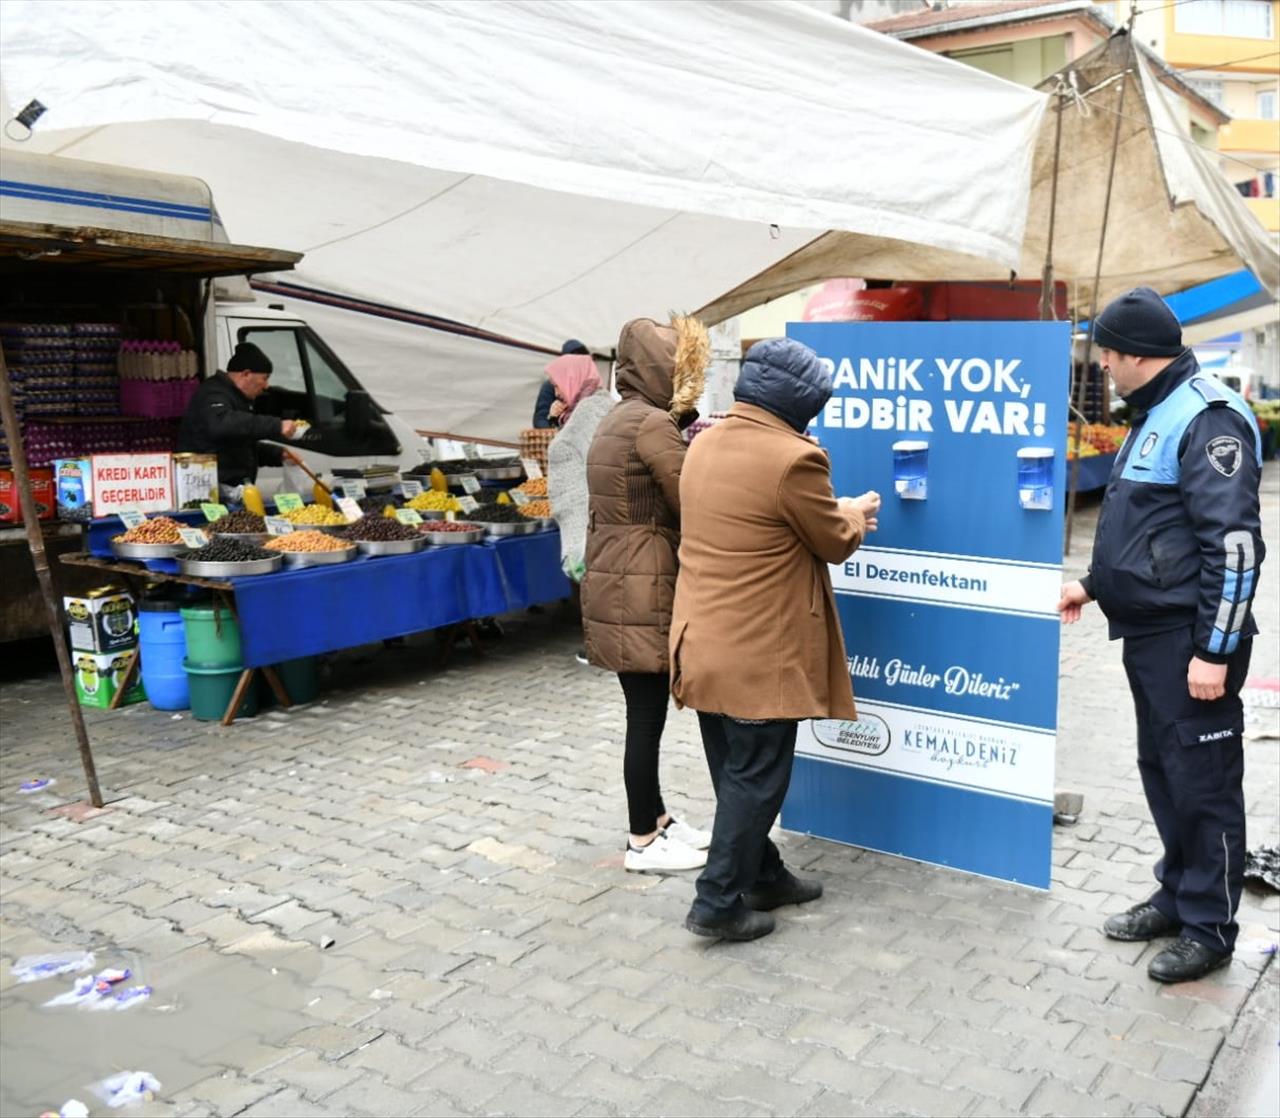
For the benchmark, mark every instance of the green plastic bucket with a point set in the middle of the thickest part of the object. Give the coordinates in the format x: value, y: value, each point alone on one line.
x: 301, y: 678
x: 212, y: 688
x: 212, y: 637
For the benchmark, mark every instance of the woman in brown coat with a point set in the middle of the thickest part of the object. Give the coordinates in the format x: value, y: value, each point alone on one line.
x: 756, y: 642
x: 633, y: 533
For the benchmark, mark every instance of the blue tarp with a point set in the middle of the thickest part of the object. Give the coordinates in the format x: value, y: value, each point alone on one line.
x: 321, y: 609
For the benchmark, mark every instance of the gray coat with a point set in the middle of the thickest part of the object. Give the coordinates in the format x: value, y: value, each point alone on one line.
x: 567, y: 477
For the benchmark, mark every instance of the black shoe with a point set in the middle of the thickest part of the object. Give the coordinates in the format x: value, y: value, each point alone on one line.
x: 788, y: 889
x: 740, y: 926
x: 1142, y: 921
x: 1185, y: 960
x: 581, y: 656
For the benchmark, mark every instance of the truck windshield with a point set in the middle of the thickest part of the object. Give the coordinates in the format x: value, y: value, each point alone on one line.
x: 297, y: 360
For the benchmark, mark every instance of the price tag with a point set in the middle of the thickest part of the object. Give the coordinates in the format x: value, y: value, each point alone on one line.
x: 287, y: 502
x: 193, y: 537
x: 408, y: 516
x: 353, y: 488
x: 131, y: 518
x: 410, y: 489
x: 467, y: 503
x: 349, y: 509
x: 469, y: 450
x: 450, y: 515
x: 532, y: 467
x: 278, y: 526
x: 213, y: 511
x: 469, y: 482
x: 519, y: 498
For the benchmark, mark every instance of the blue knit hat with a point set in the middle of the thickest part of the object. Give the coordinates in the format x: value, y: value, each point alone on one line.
x: 1141, y: 324
x: 572, y: 345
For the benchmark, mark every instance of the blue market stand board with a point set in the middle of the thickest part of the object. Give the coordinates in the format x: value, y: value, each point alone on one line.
x: 948, y: 610
x: 367, y: 600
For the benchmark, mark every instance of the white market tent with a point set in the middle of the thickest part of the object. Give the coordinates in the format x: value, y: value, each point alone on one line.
x: 1175, y: 220
x: 534, y: 168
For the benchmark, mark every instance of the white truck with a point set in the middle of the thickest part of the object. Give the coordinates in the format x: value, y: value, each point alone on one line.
x: 310, y: 382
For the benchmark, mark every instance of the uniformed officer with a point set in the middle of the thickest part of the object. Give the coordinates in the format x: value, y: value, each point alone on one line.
x: 1174, y: 569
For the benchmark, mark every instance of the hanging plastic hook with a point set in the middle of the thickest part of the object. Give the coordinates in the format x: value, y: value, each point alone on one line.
x: 33, y: 111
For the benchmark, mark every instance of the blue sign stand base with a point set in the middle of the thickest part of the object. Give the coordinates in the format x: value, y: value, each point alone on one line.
x: 961, y: 828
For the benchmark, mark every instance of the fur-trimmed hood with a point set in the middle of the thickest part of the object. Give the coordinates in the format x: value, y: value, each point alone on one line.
x: 666, y: 365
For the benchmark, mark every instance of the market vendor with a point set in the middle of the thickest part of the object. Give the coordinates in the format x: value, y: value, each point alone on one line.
x: 220, y: 420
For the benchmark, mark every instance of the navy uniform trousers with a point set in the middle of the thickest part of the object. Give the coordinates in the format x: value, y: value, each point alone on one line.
x: 1191, y: 760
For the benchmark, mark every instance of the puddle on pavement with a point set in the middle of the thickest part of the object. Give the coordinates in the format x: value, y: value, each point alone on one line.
x: 207, y: 1011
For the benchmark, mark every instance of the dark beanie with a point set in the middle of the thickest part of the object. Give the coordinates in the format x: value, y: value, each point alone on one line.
x: 248, y: 358
x: 1141, y: 324
x: 573, y: 346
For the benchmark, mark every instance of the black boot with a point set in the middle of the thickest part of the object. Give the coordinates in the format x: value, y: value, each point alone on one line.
x: 1185, y: 960
x: 739, y: 926
x: 1142, y: 921
x: 788, y: 889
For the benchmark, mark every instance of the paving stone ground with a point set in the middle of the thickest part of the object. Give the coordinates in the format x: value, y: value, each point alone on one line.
x: 487, y: 954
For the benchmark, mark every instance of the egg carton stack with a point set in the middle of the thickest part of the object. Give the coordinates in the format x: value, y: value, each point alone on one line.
x: 97, y: 349
x: 42, y: 372
x: 157, y: 379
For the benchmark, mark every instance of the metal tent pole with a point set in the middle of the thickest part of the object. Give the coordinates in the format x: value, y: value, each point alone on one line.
x: 1073, y: 490
x: 35, y: 541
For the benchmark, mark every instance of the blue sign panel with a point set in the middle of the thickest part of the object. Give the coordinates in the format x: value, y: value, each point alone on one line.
x: 948, y: 610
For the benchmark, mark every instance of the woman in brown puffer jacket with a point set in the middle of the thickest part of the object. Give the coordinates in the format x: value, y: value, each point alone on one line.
x: 633, y: 534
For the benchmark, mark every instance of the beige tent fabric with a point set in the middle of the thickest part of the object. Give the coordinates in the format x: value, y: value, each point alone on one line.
x: 1175, y: 220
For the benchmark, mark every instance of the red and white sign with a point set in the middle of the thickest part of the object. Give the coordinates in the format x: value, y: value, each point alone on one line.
x: 132, y: 481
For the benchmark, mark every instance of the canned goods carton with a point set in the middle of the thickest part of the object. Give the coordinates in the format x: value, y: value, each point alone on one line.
x: 100, y: 675
x: 104, y: 620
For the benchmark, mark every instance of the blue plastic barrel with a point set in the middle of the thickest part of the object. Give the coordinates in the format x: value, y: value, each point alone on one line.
x: 163, y: 649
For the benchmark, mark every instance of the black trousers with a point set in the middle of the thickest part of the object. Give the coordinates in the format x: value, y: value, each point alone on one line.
x: 1191, y: 760
x: 750, y: 767
x: 647, y: 695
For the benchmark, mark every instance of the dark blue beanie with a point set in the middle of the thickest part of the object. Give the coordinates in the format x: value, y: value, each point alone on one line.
x: 572, y: 345
x: 1141, y: 324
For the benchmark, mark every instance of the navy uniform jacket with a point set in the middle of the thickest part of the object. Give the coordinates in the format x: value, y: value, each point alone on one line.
x: 220, y: 420
x: 1179, y: 540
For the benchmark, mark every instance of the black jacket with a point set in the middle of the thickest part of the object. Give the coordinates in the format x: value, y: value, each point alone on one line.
x: 220, y: 420
x: 1179, y: 541
x: 542, y: 407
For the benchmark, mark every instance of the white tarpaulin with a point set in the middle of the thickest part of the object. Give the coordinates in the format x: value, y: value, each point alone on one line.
x: 539, y: 169
x: 1175, y: 220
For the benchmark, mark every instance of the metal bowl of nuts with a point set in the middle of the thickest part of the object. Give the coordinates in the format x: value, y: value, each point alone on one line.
x: 123, y: 550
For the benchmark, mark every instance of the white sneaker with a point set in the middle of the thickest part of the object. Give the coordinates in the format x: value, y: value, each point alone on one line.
x: 663, y: 855
x: 679, y: 830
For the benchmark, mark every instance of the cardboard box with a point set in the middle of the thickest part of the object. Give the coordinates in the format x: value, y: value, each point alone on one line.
x: 104, y: 620
x: 98, y: 678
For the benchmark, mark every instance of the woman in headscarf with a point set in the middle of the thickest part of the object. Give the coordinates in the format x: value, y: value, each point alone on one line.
x: 581, y: 402
x: 633, y: 533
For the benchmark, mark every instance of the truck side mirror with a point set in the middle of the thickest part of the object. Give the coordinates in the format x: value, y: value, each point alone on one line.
x: 359, y: 414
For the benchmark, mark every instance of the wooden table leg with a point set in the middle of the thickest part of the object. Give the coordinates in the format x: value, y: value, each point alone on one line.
x: 277, y: 687
x: 237, y: 697
x: 132, y: 669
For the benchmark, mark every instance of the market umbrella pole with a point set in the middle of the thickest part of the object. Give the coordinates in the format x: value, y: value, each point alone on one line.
x: 35, y: 541
x: 1082, y: 383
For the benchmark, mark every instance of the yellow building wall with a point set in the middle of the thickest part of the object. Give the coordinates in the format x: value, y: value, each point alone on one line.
x: 1267, y: 211
x: 1243, y: 134
x: 1188, y: 52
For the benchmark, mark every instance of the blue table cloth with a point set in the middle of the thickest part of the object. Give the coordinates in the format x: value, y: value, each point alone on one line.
x: 1094, y: 472
x: 321, y: 609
